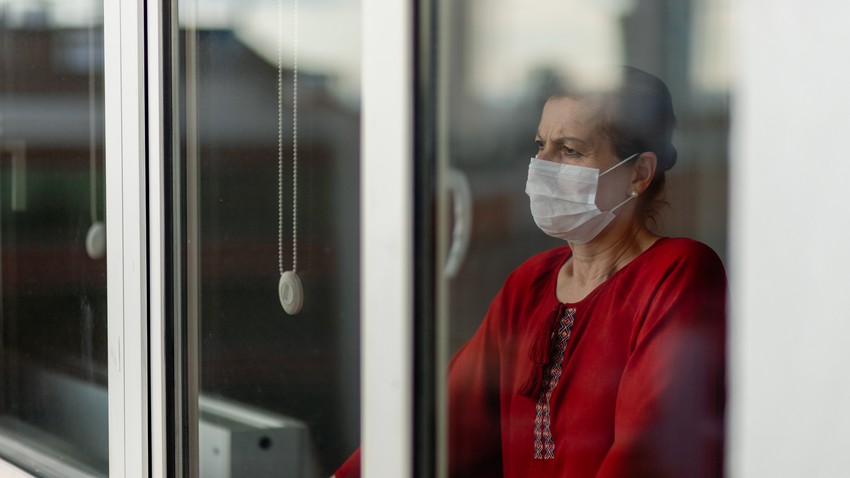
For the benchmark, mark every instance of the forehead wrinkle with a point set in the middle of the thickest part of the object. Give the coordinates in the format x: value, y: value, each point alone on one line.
x: 567, y: 123
x: 567, y: 119
x: 564, y: 133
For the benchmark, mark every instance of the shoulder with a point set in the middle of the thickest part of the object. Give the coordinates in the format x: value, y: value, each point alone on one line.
x: 687, y: 260
x: 678, y: 282
x: 684, y: 251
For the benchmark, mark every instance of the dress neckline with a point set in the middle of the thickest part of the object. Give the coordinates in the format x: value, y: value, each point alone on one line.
x: 553, y: 287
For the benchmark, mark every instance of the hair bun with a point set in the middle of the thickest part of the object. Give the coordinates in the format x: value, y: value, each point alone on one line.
x: 667, y: 157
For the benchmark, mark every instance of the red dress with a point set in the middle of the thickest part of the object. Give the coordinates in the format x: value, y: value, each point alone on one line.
x: 629, y: 382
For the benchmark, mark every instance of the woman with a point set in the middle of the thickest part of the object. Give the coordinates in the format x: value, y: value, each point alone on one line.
x: 605, y: 357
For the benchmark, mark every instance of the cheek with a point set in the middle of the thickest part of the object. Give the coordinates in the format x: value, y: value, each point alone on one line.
x: 613, y: 189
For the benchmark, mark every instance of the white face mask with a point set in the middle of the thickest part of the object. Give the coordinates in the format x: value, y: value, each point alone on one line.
x: 563, y: 200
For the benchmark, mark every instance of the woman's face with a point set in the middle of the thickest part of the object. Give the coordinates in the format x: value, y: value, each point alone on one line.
x: 569, y: 133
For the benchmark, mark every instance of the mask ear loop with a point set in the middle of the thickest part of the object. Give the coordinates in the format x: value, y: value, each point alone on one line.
x: 618, y: 164
x: 632, y: 194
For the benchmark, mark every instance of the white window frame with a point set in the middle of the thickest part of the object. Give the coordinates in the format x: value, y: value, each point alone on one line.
x: 135, y: 237
x: 155, y: 99
x: 126, y: 219
x: 788, y: 242
x: 386, y: 251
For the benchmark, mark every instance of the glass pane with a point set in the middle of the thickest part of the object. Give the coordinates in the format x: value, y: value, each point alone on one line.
x: 503, y: 60
x: 279, y: 391
x: 53, y: 299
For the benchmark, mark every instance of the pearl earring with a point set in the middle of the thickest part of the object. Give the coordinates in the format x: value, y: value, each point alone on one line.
x: 633, y: 194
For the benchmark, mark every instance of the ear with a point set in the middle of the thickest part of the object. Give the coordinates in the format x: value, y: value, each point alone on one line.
x: 643, y: 171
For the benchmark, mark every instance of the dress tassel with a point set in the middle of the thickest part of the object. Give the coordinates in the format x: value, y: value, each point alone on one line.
x: 540, y: 354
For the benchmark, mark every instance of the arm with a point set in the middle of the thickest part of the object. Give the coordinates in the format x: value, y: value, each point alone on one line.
x: 670, y: 404
x: 475, y: 448
x: 351, y: 467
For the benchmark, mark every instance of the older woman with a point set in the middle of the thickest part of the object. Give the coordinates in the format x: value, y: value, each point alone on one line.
x: 604, y: 357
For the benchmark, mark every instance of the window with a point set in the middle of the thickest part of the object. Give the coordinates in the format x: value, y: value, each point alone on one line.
x: 267, y: 182
x: 174, y: 124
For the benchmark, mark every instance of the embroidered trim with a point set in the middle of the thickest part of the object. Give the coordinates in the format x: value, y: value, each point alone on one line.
x: 544, y: 446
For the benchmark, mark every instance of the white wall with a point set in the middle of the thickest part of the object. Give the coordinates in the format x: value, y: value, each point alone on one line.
x: 790, y: 234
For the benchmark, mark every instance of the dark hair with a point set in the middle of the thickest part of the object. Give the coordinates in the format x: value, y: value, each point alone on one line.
x: 636, y: 116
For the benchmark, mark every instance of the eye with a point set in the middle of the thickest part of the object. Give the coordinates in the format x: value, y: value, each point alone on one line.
x: 540, y: 144
x: 567, y: 151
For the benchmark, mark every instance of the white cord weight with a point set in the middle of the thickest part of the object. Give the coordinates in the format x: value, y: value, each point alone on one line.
x: 96, y: 235
x: 96, y: 240
x: 291, y: 293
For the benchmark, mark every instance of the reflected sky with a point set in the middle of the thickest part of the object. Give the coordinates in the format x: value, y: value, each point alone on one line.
x: 65, y: 13
x: 579, y: 39
x: 504, y: 41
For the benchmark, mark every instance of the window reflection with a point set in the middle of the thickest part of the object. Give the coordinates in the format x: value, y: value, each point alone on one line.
x: 53, y: 300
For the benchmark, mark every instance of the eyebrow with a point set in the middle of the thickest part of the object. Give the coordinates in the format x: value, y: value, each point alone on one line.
x: 564, y: 139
